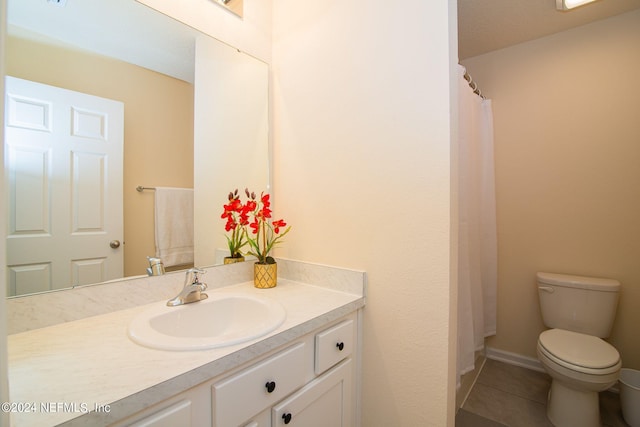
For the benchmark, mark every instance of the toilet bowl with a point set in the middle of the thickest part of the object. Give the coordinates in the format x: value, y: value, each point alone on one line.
x: 581, y: 364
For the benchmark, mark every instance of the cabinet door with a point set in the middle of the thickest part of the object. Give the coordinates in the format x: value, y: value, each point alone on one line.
x: 263, y: 419
x: 326, y: 401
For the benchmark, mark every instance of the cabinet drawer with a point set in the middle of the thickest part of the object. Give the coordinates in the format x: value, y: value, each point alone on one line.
x: 245, y: 394
x: 176, y: 414
x: 333, y: 345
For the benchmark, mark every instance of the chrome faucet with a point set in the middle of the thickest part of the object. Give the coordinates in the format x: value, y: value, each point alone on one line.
x: 156, y: 267
x: 192, y: 291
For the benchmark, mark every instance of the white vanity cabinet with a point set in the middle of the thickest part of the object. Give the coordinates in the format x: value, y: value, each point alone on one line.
x: 306, y: 383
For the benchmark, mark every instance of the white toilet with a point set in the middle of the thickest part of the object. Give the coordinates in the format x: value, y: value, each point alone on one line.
x: 581, y: 311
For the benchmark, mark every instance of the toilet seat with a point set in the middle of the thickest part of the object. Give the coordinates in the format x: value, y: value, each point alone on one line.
x: 579, y: 352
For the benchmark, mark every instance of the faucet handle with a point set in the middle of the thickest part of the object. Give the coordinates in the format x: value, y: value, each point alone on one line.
x: 192, y: 276
x: 193, y: 273
x: 197, y: 271
x: 196, y: 281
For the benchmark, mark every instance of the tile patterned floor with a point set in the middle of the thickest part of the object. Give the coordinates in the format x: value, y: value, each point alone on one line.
x: 509, y: 396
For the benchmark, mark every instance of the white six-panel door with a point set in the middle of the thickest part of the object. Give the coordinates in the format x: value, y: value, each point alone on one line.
x: 63, y: 154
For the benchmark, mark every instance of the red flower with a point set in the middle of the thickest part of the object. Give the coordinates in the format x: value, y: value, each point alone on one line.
x: 244, y: 218
x: 230, y: 225
x: 250, y: 206
x: 227, y: 212
x: 256, y: 214
x: 236, y: 215
x: 277, y: 224
x: 264, y: 213
x: 255, y: 225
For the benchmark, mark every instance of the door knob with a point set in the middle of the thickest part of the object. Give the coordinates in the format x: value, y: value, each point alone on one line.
x: 115, y: 244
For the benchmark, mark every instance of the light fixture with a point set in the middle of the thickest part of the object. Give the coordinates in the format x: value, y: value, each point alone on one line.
x: 570, y: 4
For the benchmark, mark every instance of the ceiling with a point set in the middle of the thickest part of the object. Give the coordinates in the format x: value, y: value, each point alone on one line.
x: 487, y: 25
x: 483, y: 26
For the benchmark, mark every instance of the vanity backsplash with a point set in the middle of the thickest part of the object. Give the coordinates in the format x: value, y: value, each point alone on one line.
x: 51, y: 308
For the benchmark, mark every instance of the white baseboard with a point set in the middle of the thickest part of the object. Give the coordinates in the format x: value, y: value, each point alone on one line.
x: 468, y: 380
x: 513, y: 359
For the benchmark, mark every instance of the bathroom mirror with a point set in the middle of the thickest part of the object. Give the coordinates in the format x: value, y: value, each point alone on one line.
x: 125, y: 51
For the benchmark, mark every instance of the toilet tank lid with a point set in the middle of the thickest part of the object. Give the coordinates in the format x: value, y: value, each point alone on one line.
x: 570, y: 281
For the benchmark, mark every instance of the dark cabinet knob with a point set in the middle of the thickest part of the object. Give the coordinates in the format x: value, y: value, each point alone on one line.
x: 271, y: 385
x: 287, y: 418
x: 340, y: 346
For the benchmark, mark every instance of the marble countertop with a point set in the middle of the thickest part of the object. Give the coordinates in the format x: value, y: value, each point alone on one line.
x: 60, y: 374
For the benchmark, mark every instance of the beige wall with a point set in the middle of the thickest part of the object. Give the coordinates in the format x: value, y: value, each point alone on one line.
x: 567, y: 149
x: 158, y: 147
x: 361, y: 154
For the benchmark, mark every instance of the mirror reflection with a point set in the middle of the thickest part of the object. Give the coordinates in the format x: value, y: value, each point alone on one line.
x: 125, y: 52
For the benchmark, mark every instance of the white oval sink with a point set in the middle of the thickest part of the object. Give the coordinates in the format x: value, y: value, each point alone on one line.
x: 220, y: 320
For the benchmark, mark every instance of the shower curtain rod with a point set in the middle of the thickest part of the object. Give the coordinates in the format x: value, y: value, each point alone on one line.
x: 473, y: 85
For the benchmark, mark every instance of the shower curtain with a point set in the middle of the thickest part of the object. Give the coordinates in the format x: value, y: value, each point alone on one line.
x: 477, y: 241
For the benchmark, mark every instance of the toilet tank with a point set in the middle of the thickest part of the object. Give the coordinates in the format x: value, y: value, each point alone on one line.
x: 576, y: 303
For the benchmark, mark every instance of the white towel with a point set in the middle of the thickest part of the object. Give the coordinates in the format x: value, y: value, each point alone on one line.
x: 174, y: 225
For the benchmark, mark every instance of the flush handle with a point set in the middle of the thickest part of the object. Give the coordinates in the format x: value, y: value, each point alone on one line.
x: 546, y: 289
